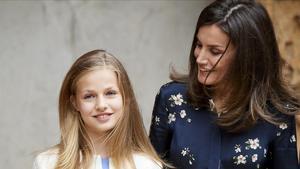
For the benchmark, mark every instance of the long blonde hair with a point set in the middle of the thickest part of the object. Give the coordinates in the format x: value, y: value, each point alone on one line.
x: 75, y: 149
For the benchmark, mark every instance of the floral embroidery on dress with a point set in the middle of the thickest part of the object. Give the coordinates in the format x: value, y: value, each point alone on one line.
x: 254, y: 157
x: 156, y: 120
x: 240, y: 159
x: 176, y: 100
x: 265, y: 152
x: 187, y: 153
x: 252, y: 144
x: 237, y: 148
x: 182, y: 114
x: 293, y: 138
x: 243, y: 152
x: 189, y: 120
x: 283, y: 126
x: 171, y: 117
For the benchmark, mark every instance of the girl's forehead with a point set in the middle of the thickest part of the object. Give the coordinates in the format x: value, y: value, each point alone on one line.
x: 98, y: 78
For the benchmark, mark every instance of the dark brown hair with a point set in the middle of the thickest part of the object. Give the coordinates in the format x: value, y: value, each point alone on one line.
x: 257, y: 89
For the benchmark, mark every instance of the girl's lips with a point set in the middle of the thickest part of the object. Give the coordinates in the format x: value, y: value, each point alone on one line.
x: 103, y: 117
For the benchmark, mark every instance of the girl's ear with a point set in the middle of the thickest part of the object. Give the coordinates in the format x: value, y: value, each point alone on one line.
x: 73, y: 101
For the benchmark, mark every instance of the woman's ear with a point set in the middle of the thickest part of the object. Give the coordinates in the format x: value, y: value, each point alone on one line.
x: 73, y: 102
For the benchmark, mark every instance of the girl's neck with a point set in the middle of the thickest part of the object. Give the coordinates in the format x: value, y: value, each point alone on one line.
x: 100, y: 149
x: 98, y: 142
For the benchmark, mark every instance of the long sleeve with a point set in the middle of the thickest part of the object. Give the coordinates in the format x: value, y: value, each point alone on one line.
x: 284, y: 151
x: 160, y: 131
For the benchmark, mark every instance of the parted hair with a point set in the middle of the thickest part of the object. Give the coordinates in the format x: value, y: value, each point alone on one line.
x: 75, y: 150
x: 256, y: 84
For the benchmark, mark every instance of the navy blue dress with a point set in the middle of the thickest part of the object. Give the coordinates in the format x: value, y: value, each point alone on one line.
x: 189, y: 138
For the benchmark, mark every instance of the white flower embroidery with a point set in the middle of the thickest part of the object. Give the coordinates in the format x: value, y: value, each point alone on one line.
x: 237, y: 148
x: 293, y: 139
x: 186, y: 152
x: 182, y: 113
x: 157, y: 120
x: 257, y: 166
x: 191, y: 159
x: 189, y: 120
x: 176, y: 99
x: 253, y: 144
x: 278, y: 133
x: 265, y: 152
x: 283, y: 126
x: 240, y: 159
x: 171, y: 117
x: 254, y: 157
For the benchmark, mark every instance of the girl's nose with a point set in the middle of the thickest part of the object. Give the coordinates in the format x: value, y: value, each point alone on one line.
x: 101, y: 104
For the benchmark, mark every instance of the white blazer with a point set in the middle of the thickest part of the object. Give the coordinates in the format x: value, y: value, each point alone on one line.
x: 48, y: 159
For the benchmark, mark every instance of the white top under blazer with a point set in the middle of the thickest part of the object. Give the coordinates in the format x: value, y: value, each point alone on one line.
x: 48, y: 159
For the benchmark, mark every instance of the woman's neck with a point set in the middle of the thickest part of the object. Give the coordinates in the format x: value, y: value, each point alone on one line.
x: 218, y: 103
x: 219, y: 97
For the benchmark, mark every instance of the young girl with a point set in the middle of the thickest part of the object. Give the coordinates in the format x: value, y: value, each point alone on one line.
x: 100, y: 122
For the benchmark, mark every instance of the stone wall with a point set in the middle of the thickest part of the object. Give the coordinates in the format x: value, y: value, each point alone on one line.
x: 286, y: 18
x: 40, y: 39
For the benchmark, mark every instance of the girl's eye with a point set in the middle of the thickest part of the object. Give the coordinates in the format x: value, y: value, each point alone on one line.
x: 89, y: 96
x: 111, y: 92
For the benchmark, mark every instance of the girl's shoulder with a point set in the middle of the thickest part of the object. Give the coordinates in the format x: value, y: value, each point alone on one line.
x: 46, y: 159
x: 144, y: 161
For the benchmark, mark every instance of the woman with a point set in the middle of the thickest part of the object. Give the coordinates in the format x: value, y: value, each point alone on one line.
x: 100, y: 122
x: 233, y: 110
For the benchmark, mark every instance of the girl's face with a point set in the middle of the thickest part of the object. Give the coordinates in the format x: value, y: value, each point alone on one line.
x: 211, y: 44
x: 99, y: 101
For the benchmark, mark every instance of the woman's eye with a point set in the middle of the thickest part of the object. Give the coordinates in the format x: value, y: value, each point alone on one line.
x: 198, y: 45
x: 216, y: 52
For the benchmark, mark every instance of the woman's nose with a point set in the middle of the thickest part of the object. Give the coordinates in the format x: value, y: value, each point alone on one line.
x: 201, y: 57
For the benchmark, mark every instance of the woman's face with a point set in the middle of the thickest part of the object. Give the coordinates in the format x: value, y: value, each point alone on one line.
x: 99, y: 101
x: 211, y: 44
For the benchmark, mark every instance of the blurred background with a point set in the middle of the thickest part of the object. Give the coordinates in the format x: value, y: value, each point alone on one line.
x: 40, y: 39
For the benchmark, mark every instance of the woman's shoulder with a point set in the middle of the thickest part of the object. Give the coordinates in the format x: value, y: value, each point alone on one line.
x: 174, y: 85
x: 46, y: 159
x: 173, y: 88
x: 144, y: 161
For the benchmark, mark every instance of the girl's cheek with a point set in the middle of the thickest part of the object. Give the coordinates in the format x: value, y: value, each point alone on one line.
x: 86, y: 108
